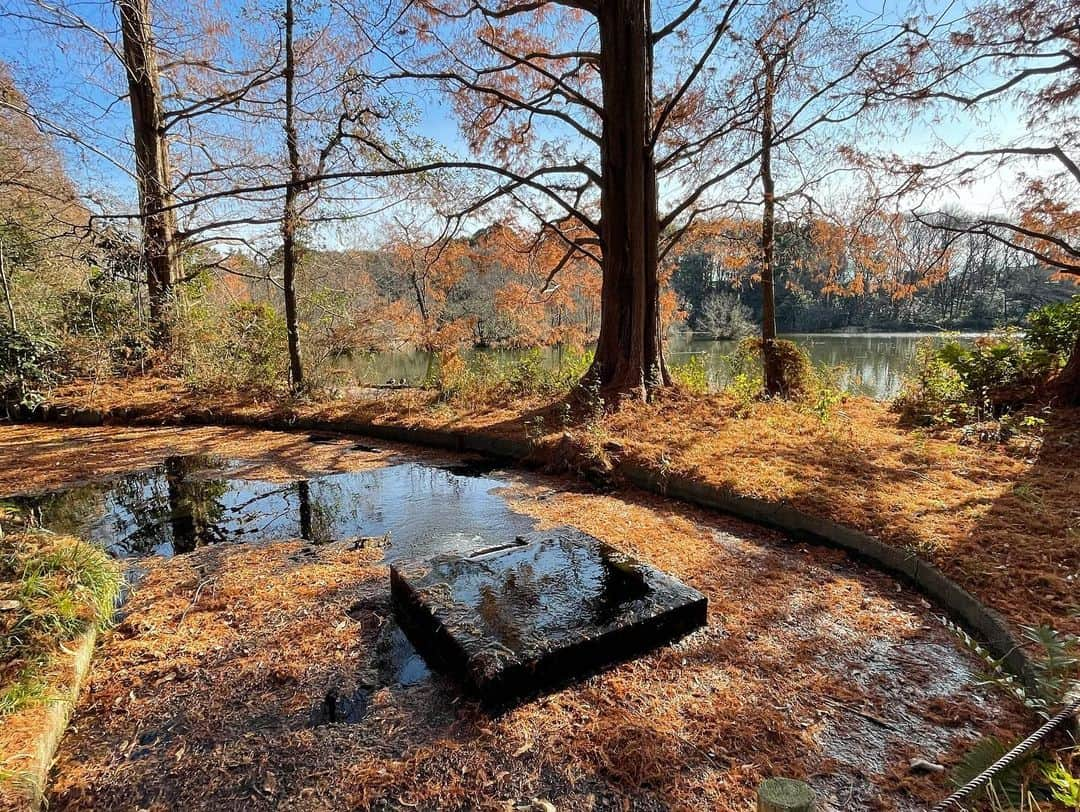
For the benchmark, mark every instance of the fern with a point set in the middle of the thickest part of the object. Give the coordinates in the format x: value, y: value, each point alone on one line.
x: 1008, y: 785
x: 1064, y: 786
x: 1055, y: 666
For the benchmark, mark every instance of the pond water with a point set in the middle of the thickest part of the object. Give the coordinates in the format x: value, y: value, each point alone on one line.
x: 872, y: 363
x: 193, y: 501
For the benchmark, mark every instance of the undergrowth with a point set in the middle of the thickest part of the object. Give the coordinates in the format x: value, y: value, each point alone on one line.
x: 814, y: 388
x: 52, y: 589
x: 1048, y: 775
x: 487, y: 378
x: 952, y: 382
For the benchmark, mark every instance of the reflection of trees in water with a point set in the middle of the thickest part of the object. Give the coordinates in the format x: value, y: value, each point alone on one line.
x: 172, y: 504
x: 169, y: 505
x: 565, y: 585
x: 177, y: 504
x: 319, y: 510
x: 70, y: 511
x: 194, y: 505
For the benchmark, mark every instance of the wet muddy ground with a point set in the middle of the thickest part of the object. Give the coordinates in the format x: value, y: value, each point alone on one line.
x: 251, y: 672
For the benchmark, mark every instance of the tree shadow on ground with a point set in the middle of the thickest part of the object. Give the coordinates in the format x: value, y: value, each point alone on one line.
x: 206, y: 703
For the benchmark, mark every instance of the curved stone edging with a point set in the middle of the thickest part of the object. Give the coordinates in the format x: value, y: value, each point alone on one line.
x: 32, y: 783
x: 986, y: 624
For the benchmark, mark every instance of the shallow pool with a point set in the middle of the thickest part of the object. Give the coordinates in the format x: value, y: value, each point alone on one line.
x: 188, y: 502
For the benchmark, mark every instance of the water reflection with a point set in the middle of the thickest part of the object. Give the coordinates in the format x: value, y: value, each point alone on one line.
x: 191, y: 501
x: 559, y: 586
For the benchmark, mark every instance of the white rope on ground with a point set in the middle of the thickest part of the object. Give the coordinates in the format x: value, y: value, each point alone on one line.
x: 955, y: 801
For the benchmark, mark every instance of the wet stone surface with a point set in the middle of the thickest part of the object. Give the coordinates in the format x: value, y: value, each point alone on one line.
x: 538, y: 612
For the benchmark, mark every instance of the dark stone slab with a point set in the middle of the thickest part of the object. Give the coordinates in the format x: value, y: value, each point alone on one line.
x: 539, y: 612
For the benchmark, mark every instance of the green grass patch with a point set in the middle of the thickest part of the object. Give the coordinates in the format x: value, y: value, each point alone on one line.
x: 52, y: 590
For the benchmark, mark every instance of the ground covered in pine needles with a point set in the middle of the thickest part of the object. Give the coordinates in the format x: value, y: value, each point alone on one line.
x: 1001, y: 519
x: 212, y: 690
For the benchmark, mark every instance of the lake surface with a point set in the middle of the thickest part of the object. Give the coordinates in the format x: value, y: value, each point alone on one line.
x: 873, y: 364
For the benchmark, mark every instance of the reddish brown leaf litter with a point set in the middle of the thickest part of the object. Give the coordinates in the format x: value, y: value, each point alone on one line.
x: 213, y: 691
x: 1002, y: 521
x: 48, y: 457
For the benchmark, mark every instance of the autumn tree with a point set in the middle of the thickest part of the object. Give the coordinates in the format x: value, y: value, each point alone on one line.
x: 39, y: 209
x: 575, y: 79
x: 1001, y: 61
x: 171, y: 69
x: 153, y: 177
x: 564, y: 103
x: 819, y: 76
x: 290, y: 216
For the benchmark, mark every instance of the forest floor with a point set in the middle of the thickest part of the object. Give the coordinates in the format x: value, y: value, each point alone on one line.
x: 208, y: 693
x: 1001, y: 519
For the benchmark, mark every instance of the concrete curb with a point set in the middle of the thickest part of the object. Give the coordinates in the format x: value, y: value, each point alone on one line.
x: 985, y: 624
x: 31, y: 781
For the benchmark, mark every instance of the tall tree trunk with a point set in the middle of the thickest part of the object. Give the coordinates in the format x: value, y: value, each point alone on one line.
x: 6, y: 285
x: 151, y: 162
x: 771, y: 361
x: 1069, y: 380
x: 629, y: 353
x: 290, y: 217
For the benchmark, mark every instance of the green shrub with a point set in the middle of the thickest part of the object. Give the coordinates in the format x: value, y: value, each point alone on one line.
x: 1054, y: 328
x: 745, y: 368
x: 817, y: 388
x: 951, y: 382
x: 27, y: 367
x: 826, y: 391
x: 1003, y: 358
x: 246, y: 350
x: 692, y: 375
x: 486, y: 377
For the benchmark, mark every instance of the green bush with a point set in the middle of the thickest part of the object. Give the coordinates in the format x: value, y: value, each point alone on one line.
x: 692, y: 375
x: 247, y: 350
x: 746, y: 376
x: 27, y: 367
x: 1002, y: 359
x: 953, y: 382
x: 101, y: 333
x: 484, y: 376
x: 933, y: 390
x: 1054, y: 328
x: 816, y: 388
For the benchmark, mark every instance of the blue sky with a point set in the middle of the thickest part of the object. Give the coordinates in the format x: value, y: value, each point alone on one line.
x: 75, y: 80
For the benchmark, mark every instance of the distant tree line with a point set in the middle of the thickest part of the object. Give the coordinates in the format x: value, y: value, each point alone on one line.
x: 928, y: 280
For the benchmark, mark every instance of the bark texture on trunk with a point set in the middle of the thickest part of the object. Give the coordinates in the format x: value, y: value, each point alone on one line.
x: 629, y: 353
x: 771, y: 359
x: 290, y: 215
x: 151, y: 162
